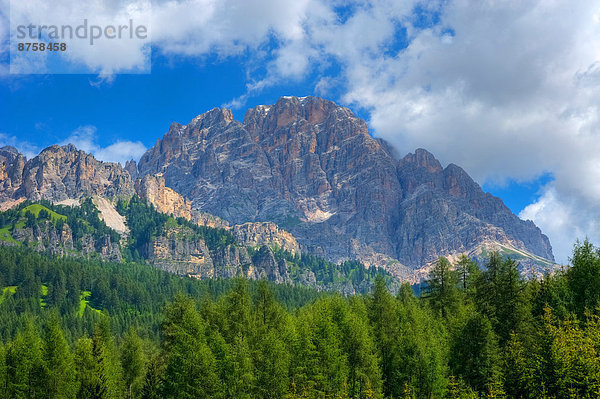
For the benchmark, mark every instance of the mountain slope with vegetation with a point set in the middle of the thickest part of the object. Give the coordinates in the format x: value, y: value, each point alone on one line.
x: 303, y: 173
x: 173, y: 244
x: 473, y: 333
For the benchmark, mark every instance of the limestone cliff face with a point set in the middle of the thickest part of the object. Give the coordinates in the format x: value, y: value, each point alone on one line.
x: 267, y: 267
x: 45, y: 237
x: 208, y: 220
x: 60, y: 173
x: 12, y: 164
x: 181, y: 256
x: 312, y: 168
x: 265, y: 233
x: 179, y: 251
x: 165, y: 199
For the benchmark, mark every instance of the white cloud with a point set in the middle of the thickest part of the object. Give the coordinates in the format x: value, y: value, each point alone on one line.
x: 28, y: 149
x: 504, y: 89
x: 199, y: 27
x: 562, y: 218
x: 121, y: 151
x: 122, y: 53
x: 84, y: 138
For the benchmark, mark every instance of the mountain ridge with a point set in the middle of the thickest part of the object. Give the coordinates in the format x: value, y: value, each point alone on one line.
x: 313, y: 167
x: 307, y: 166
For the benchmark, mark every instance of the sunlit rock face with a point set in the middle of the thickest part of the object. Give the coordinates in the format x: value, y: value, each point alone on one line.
x: 311, y: 167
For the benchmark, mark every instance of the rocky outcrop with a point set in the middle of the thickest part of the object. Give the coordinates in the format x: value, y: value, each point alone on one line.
x: 131, y: 168
x: 231, y: 261
x: 180, y: 251
x: 166, y: 200
x: 60, y: 173
x: 58, y: 241
x: 181, y: 256
x: 265, y: 233
x: 312, y: 168
x: 12, y: 164
x: 208, y: 220
x: 267, y: 267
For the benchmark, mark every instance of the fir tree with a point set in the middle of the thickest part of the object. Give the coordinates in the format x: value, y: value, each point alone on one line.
x: 60, y: 381
x: 25, y: 369
x: 441, y: 288
x: 133, y: 362
x: 191, y: 366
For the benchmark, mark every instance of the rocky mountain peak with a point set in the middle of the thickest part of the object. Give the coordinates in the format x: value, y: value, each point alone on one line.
x: 8, y: 150
x: 213, y: 117
x: 310, y: 166
x: 11, y: 173
x: 301, y: 115
x: 131, y: 167
x: 68, y: 148
x: 424, y: 159
x: 58, y: 173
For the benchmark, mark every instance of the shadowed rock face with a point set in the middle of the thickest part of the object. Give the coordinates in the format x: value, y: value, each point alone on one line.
x: 12, y: 164
x: 444, y: 211
x: 312, y: 167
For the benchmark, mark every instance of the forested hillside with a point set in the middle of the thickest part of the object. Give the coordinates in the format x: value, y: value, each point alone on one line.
x: 172, y: 244
x: 74, y: 328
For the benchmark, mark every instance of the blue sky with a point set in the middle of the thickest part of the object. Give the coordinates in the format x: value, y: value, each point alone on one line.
x: 507, y: 91
x: 140, y: 107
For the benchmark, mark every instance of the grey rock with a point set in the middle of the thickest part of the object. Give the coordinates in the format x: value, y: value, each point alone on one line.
x: 311, y: 167
x: 60, y: 173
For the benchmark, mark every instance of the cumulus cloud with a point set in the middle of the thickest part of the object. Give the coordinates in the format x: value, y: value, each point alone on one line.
x: 508, y: 90
x: 28, y: 149
x: 226, y: 27
x: 562, y: 218
x: 112, y: 50
x: 84, y: 138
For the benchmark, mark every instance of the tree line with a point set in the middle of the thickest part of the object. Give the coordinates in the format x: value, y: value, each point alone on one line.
x: 474, y: 332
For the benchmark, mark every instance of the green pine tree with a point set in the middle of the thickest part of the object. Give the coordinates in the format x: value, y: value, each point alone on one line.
x: 133, y: 362
x: 442, y: 292
x: 108, y: 378
x: 25, y: 369
x: 190, y: 365
x: 60, y: 380
x: 474, y: 355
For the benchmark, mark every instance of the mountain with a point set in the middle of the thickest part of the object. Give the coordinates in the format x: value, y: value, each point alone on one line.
x: 64, y: 175
x: 174, y: 245
x: 304, y: 175
x: 58, y: 174
x: 312, y: 167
